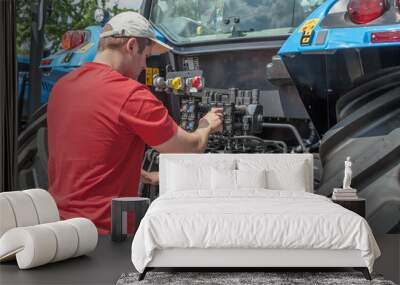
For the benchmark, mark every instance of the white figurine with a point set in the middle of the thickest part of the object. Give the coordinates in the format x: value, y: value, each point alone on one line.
x: 348, y: 173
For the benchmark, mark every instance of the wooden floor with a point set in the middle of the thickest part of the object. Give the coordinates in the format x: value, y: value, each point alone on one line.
x: 389, y: 262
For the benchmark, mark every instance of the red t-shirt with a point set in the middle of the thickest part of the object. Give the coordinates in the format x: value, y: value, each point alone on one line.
x: 98, y: 124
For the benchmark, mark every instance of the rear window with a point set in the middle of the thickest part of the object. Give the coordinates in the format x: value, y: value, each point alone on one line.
x: 191, y: 21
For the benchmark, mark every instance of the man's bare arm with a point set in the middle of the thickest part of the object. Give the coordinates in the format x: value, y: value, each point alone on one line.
x: 151, y: 178
x: 196, y: 142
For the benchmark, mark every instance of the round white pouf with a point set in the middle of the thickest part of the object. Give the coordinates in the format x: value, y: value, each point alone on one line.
x: 87, y: 234
x: 7, y: 218
x: 40, y: 244
x: 23, y: 208
x: 67, y: 240
x: 45, y: 205
x: 33, y: 246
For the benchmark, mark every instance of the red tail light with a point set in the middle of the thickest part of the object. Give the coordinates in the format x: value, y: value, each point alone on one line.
x: 365, y: 11
x: 72, y: 39
x: 46, y: 62
x: 398, y: 4
x: 385, y: 37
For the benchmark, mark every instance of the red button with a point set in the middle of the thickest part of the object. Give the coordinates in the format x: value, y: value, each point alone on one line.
x: 197, y: 82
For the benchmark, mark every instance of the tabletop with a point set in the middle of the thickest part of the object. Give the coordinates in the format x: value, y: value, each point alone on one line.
x: 104, y: 265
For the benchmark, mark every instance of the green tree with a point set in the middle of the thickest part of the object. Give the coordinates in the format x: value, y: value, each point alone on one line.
x: 23, y: 26
x: 62, y: 16
x: 67, y: 15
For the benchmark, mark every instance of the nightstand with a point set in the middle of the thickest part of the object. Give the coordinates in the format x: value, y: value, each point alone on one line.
x: 355, y: 205
x: 119, y: 211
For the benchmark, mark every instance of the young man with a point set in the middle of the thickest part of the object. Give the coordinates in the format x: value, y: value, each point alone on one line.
x: 100, y: 118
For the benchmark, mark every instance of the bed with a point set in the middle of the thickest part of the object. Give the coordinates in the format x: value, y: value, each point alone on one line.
x: 247, y: 210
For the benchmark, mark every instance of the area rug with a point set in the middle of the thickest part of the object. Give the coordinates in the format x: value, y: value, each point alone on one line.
x: 243, y: 278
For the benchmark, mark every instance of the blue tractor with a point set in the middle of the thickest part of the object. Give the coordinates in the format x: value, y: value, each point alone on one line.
x: 292, y: 76
x: 345, y: 61
x: 78, y: 47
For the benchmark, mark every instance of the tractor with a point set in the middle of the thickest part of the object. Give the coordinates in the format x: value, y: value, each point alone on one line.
x: 292, y: 77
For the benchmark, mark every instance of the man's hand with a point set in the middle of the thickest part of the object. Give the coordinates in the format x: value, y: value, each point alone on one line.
x: 213, y: 120
x: 195, y: 142
x: 152, y: 178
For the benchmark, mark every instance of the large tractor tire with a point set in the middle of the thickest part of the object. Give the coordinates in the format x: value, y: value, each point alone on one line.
x: 32, y: 153
x: 367, y: 89
x: 368, y: 130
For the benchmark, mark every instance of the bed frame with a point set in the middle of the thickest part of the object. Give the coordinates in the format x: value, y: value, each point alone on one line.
x: 242, y: 259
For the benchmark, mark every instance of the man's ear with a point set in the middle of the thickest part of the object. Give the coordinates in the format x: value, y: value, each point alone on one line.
x: 132, y: 46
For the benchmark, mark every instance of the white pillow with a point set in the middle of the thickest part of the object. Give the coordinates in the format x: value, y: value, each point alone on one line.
x: 251, y: 178
x: 282, y: 174
x: 223, y: 179
x: 291, y: 180
x: 187, y: 175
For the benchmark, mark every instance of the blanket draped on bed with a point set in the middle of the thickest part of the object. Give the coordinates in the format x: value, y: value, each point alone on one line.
x: 253, y: 218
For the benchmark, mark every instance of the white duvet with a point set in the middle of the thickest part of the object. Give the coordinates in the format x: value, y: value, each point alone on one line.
x: 253, y: 218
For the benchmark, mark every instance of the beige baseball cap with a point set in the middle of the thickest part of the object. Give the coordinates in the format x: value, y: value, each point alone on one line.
x: 132, y: 24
